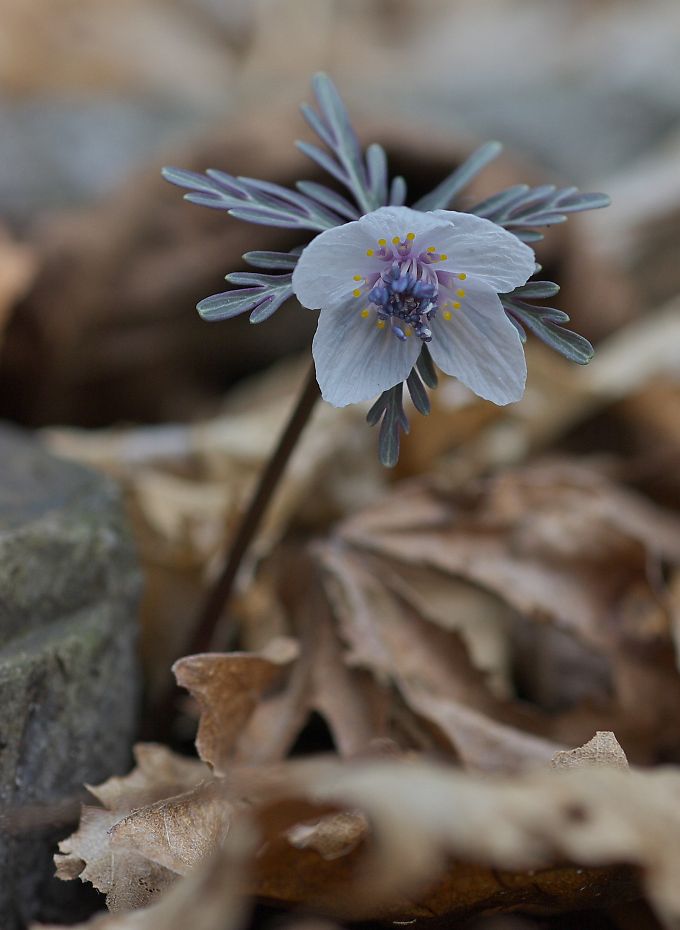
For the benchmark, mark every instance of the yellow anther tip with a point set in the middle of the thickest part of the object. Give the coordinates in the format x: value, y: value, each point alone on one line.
x: 431, y: 248
x: 369, y: 252
x: 447, y: 314
x: 442, y: 257
x: 410, y: 236
x: 357, y: 277
x: 461, y: 292
x: 356, y: 293
x: 395, y: 240
x: 462, y: 276
x: 382, y: 241
x: 380, y: 324
x: 364, y: 313
x: 408, y: 332
x: 456, y: 305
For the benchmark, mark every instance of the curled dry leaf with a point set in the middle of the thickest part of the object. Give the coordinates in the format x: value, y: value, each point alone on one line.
x: 228, y: 687
x: 602, y: 749
x: 210, y: 898
x: 428, y: 666
x: 541, y: 581
x: 406, y: 839
x: 437, y: 835
x: 127, y: 878
x: 176, y: 833
x: 255, y: 705
x: 331, y: 837
x: 578, y: 562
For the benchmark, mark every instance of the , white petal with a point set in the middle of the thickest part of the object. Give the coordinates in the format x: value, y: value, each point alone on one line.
x: 484, y: 250
x: 355, y: 361
x: 325, y: 270
x: 388, y: 222
x: 480, y: 346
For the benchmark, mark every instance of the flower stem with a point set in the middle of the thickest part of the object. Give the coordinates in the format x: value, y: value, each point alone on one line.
x: 218, y: 596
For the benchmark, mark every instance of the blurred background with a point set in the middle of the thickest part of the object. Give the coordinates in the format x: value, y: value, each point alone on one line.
x: 96, y: 95
x: 102, y: 263
x: 103, y: 353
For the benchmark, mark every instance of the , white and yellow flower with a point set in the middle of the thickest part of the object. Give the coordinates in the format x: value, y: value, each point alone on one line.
x: 398, y: 278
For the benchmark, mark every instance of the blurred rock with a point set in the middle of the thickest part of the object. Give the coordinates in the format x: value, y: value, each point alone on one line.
x: 56, y: 154
x: 69, y: 681
x: 92, y: 90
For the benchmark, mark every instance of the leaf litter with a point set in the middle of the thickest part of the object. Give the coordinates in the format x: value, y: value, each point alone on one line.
x: 491, y: 645
x: 454, y: 793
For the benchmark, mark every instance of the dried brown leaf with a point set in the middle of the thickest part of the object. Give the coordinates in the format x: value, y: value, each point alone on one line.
x: 333, y: 836
x: 602, y: 749
x: 127, y: 878
x: 176, y: 833
x: 428, y: 666
x: 228, y: 687
x: 209, y: 898
x: 536, y: 536
x: 403, y: 839
x: 159, y: 773
x: 422, y: 816
x: 566, y: 551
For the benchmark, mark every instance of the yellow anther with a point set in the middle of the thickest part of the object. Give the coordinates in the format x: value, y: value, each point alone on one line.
x: 456, y: 305
x: 382, y: 241
x: 442, y: 257
x: 369, y: 252
x: 431, y: 248
x: 357, y: 277
x: 396, y: 240
x: 460, y: 292
x: 410, y: 236
x: 447, y: 314
x: 462, y: 276
x: 365, y: 313
x: 408, y: 331
x: 380, y: 324
x: 356, y: 293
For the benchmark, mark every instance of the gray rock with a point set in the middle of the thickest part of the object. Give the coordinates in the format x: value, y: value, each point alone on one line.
x: 69, y: 678
x: 56, y: 154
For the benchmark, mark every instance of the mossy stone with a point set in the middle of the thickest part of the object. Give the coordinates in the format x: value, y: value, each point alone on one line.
x: 69, y: 676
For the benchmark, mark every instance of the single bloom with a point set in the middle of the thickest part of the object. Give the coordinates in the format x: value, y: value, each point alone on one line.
x: 399, y: 278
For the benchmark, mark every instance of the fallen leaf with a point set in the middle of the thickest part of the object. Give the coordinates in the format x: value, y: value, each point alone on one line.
x: 568, y: 552
x: 554, y: 557
x: 428, y: 666
x: 176, y: 833
x: 210, y: 897
x: 602, y: 749
x: 422, y: 816
x: 129, y: 880
x: 333, y: 836
x: 228, y: 687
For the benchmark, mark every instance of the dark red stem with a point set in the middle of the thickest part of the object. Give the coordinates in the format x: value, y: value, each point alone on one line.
x: 218, y: 597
